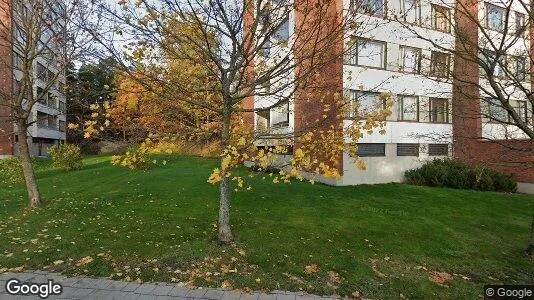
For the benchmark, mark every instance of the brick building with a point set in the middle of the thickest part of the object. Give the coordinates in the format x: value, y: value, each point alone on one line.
x: 439, y: 110
x: 48, y: 114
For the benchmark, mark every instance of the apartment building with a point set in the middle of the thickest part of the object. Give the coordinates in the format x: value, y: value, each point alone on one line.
x: 48, y: 114
x: 402, y: 47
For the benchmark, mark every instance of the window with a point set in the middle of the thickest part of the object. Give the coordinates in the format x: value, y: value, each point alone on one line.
x: 280, y: 115
x: 41, y: 96
x: 408, y: 108
x: 438, y: 149
x: 441, y: 18
x: 62, y: 107
x: 520, y: 68
x: 439, y: 64
x: 368, y: 7
x: 263, y: 119
x: 62, y: 126
x: 362, y: 104
x: 411, y: 11
x: 410, y: 59
x: 521, y: 110
x: 370, y: 150
x: 367, y: 53
x: 282, y: 33
x: 265, y: 25
x: 519, y: 23
x: 494, y: 17
x: 496, y: 112
x: 439, y: 110
x: 51, y: 100
x: 407, y: 149
x: 42, y: 72
x: 42, y: 120
x: 497, y: 68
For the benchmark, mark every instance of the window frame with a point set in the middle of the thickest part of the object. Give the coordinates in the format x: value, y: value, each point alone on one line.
x: 384, y: 53
x: 357, y: 9
x: 403, y: 56
x: 487, y: 7
x: 431, y: 100
x: 433, y: 64
x: 520, y: 31
x: 434, y: 9
x: 407, y: 154
x: 431, y: 153
x: 354, y: 98
x: 376, y: 154
x: 400, y: 116
x: 404, y: 12
x: 490, y: 115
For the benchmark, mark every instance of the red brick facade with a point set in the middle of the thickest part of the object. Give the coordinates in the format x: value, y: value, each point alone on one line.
x: 514, y: 157
x: 6, y: 85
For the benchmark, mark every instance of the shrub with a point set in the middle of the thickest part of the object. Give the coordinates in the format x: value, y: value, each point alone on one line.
x: 454, y: 174
x: 66, y: 156
x: 11, y: 171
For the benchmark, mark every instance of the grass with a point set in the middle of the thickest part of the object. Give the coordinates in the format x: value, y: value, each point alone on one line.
x: 158, y: 225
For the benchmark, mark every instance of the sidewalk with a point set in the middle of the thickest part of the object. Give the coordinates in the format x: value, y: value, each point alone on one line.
x: 92, y: 288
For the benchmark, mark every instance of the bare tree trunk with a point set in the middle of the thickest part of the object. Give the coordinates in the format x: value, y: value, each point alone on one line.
x: 27, y: 168
x: 225, y: 231
x: 530, y: 248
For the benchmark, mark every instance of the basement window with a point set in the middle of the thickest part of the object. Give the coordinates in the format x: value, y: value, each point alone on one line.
x: 371, y: 150
x: 407, y: 149
x: 438, y: 149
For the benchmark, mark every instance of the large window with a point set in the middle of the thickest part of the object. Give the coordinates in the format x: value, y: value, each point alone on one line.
x: 496, y: 112
x: 371, y: 150
x: 441, y: 18
x: 410, y: 59
x: 408, y: 108
x: 494, y: 17
x: 438, y: 149
x: 439, y: 110
x: 411, y: 11
x: 362, y: 104
x: 367, y: 53
x: 407, y: 149
x: 368, y: 7
x: 439, y: 64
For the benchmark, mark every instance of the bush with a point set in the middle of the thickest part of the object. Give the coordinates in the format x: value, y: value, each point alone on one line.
x: 66, y: 156
x: 454, y: 174
x: 11, y: 171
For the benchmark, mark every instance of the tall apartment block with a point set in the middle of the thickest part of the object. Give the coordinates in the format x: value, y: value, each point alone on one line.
x: 47, y: 118
x: 401, y: 51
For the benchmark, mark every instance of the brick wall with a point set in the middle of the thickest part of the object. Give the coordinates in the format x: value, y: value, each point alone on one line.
x: 514, y: 157
x: 6, y: 82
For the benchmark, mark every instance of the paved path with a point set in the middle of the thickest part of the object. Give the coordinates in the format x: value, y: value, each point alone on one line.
x: 91, y: 288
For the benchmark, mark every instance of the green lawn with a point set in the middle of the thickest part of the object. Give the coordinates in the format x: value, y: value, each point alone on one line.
x: 159, y: 225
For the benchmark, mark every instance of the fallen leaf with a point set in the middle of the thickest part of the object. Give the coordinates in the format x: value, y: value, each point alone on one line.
x: 58, y: 262
x: 84, y: 261
x: 311, y: 269
x: 333, y: 279
x: 440, y: 277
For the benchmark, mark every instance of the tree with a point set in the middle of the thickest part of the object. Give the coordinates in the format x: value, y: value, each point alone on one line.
x: 238, y: 51
x: 41, y: 41
x: 92, y: 82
